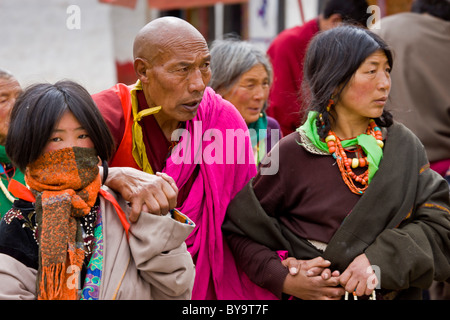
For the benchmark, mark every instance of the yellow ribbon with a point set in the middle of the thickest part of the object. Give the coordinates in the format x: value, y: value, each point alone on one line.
x: 139, y: 153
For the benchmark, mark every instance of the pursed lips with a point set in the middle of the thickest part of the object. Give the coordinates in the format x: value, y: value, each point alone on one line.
x: 381, y: 100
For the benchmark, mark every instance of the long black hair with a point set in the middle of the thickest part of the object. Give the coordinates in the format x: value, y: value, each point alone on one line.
x: 438, y: 8
x: 331, y: 60
x: 351, y: 11
x: 38, y: 110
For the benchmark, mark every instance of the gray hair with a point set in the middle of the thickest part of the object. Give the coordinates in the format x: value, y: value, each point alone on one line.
x: 4, y: 74
x: 230, y: 58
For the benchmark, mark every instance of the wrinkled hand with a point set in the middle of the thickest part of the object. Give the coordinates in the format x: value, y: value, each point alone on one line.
x: 314, y: 267
x: 155, y: 194
x: 359, y: 277
x: 312, y: 280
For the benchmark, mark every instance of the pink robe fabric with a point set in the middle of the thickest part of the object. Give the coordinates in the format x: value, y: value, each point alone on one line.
x: 217, y: 276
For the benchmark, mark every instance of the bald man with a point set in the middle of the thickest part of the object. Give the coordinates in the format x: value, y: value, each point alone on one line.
x: 198, y: 174
x: 156, y: 86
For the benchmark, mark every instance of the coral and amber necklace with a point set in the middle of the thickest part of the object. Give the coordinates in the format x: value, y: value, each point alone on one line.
x: 346, y: 164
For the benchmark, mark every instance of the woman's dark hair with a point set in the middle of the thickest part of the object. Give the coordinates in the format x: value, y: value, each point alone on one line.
x: 351, y: 11
x: 438, y: 8
x: 38, y: 110
x: 332, y: 58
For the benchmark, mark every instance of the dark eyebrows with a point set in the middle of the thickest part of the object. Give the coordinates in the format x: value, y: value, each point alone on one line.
x: 376, y: 63
x: 183, y: 64
x: 190, y: 63
x: 76, y: 129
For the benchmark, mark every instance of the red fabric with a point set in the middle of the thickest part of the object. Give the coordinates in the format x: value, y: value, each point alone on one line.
x: 120, y: 213
x: 157, y: 147
x: 20, y: 191
x: 125, y: 72
x: 287, y: 53
x: 113, y: 104
x: 111, y: 109
x: 441, y: 166
x: 123, y: 156
x: 126, y: 3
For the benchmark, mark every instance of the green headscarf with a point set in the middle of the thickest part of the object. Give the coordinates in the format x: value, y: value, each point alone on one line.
x: 3, y: 157
x: 5, y: 203
x: 258, y: 137
x: 367, y: 142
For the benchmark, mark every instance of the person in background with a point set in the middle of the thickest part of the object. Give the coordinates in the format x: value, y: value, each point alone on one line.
x: 363, y: 195
x: 287, y: 52
x: 420, y: 80
x: 164, y: 123
x: 241, y: 73
x: 67, y: 237
x: 9, y: 91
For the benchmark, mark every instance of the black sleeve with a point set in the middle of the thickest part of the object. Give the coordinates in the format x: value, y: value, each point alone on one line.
x: 18, y: 234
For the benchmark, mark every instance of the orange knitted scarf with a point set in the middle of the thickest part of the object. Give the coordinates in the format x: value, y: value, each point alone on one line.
x: 65, y: 183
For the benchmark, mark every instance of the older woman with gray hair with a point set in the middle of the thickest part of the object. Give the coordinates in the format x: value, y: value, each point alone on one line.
x: 242, y: 74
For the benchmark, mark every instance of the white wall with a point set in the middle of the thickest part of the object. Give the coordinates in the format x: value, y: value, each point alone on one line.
x: 126, y: 23
x: 263, y: 29
x: 263, y: 22
x: 292, y: 12
x: 37, y: 45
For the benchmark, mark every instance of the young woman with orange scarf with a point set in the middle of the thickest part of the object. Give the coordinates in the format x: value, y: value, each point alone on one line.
x: 56, y: 234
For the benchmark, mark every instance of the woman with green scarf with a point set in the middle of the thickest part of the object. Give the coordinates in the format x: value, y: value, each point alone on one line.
x: 242, y: 74
x: 9, y: 90
x: 354, y: 205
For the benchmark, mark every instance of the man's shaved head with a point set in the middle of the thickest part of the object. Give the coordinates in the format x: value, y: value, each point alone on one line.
x: 163, y: 34
x: 171, y: 60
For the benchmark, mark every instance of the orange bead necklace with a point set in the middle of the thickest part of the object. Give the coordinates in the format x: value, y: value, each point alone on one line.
x: 346, y: 164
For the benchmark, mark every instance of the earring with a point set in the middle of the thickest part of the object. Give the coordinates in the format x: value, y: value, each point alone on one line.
x: 330, y: 104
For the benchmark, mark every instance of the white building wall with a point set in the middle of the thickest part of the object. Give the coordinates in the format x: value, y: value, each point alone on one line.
x: 37, y: 43
x: 126, y: 23
x: 263, y: 22
x: 263, y: 18
x: 292, y: 12
x: 42, y: 41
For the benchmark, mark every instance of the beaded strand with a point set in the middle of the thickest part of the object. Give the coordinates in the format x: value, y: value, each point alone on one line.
x: 345, y: 164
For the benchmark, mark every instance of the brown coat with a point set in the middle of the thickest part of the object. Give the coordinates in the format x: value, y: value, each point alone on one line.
x: 401, y: 223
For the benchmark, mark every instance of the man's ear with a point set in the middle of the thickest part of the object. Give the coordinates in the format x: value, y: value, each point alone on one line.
x: 140, y: 67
